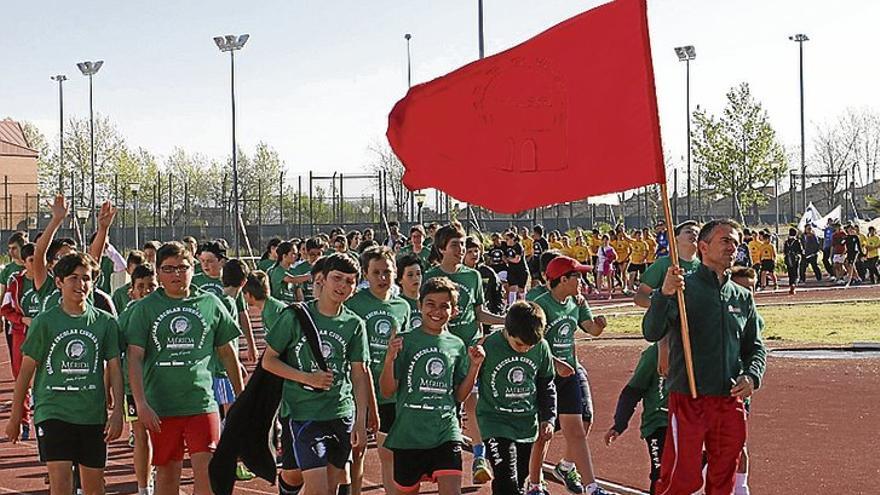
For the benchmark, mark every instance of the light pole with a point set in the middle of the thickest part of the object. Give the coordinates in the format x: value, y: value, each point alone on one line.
x: 60, y: 78
x: 89, y: 69
x: 800, y: 39
x: 230, y: 43
x: 408, y: 37
x: 82, y: 214
x: 686, y: 54
x: 480, y: 28
x: 420, y: 202
x: 135, y: 188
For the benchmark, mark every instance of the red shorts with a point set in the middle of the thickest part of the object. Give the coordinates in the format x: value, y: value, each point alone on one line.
x: 199, y: 433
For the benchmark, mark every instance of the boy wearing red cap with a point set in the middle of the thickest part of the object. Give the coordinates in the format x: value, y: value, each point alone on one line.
x: 575, y: 409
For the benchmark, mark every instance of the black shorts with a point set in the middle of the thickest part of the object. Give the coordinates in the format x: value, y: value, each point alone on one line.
x: 517, y: 276
x: 636, y: 267
x: 573, y: 395
x: 412, y: 466
x: 387, y: 413
x: 318, y: 443
x: 851, y: 257
x: 768, y: 265
x: 288, y: 460
x: 81, y: 444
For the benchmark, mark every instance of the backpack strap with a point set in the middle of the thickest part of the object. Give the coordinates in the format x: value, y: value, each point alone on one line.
x: 310, y: 330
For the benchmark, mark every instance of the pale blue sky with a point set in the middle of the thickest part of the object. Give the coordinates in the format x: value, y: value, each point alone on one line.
x: 318, y: 78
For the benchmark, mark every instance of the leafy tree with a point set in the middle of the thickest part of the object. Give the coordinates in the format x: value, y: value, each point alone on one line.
x: 738, y: 151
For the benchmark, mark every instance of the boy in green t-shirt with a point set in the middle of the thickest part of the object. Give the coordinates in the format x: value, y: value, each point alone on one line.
x: 323, y: 403
x: 143, y: 283
x: 575, y: 406
x: 431, y: 371
x: 172, y: 334
x: 517, y: 399
x: 301, y: 272
x: 450, y: 242
x: 121, y: 298
x: 66, y: 351
x: 409, y: 279
x: 384, y: 315
x: 281, y: 281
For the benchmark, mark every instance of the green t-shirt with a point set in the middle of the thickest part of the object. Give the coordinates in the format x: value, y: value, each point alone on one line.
x: 303, y: 268
x: 265, y: 264
x: 415, y: 314
x: 344, y: 341
x: 121, y: 298
x: 50, y: 296
x: 29, y: 298
x: 470, y: 294
x: 507, y: 405
x: 217, y: 368
x: 536, y: 292
x: 563, y: 320
x: 209, y: 284
x: 383, y: 318
x: 179, y: 336
x: 124, y: 315
x: 428, y: 370
x: 647, y: 380
x: 106, y: 274
x: 8, y: 271
x: 281, y: 290
x: 654, y: 274
x: 272, y: 309
x: 423, y: 255
x: 197, y: 268
x: 70, y: 352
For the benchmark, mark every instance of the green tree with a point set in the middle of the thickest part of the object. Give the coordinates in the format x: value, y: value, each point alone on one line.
x: 738, y: 151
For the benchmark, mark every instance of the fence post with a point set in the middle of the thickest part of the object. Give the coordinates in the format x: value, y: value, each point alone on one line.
x: 186, y: 219
x: 281, y: 200
x: 341, y: 201
x: 311, y: 207
x: 6, y: 215
x: 223, y: 207
x: 171, y: 206
x: 299, y: 212
x: 123, y: 242
x: 159, y: 205
x: 259, y: 212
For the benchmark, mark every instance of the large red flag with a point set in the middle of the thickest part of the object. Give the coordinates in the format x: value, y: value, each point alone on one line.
x: 568, y: 114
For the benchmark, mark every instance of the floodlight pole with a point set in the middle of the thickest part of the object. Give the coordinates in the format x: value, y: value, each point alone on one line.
x: 686, y: 54
x: 800, y: 39
x: 408, y: 37
x: 60, y: 78
x: 480, y: 27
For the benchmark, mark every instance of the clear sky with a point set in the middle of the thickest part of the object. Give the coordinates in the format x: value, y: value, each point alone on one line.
x: 318, y: 78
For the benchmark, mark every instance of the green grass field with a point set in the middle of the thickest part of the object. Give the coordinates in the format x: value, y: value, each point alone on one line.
x: 808, y: 323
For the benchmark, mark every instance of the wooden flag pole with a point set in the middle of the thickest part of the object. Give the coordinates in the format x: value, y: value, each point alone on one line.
x: 682, y: 310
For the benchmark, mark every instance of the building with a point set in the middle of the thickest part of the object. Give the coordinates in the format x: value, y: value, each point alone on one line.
x: 18, y: 178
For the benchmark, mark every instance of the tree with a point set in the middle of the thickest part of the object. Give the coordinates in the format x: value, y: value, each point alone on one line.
x: 835, y: 153
x: 738, y: 151
x: 384, y: 160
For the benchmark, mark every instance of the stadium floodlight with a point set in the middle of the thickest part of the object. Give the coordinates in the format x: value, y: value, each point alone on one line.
x: 686, y: 54
x: 89, y: 69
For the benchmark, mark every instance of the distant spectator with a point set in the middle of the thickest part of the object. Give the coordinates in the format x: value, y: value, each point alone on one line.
x: 812, y: 246
x: 792, y: 251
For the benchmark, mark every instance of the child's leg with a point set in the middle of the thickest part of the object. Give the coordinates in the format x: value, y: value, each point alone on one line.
x: 655, y: 454
x: 143, y: 451
x: 523, y: 460
x: 168, y: 478
x: 92, y: 480
x: 741, y: 485
x: 536, y: 460
x: 386, y: 457
x: 357, y: 469
x: 60, y: 477
x: 501, y: 453
x: 472, y: 429
x: 576, y: 448
x: 201, y: 481
x: 315, y: 481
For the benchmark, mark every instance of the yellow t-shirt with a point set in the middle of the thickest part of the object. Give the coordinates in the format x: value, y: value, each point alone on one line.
x: 556, y: 245
x: 652, y: 249
x: 768, y: 252
x: 863, y: 240
x: 639, y: 251
x: 621, y: 246
x: 872, y: 246
x: 580, y: 253
x: 527, y: 246
x: 755, y: 250
x: 594, y: 244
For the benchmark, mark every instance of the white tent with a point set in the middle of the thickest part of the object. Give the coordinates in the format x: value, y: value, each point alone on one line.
x: 816, y: 220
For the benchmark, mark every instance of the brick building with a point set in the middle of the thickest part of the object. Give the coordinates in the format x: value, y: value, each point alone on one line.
x: 18, y: 177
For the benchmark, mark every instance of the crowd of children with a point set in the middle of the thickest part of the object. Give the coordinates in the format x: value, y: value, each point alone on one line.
x: 432, y: 343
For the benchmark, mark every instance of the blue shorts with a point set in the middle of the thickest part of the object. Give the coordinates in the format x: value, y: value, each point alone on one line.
x: 318, y: 443
x: 223, y: 392
x: 573, y: 395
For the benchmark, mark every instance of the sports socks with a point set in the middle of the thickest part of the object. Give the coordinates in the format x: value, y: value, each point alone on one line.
x: 343, y: 490
x: 566, y: 465
x: 285, y: 489
x: 740, y: 485
x: 479, y: 450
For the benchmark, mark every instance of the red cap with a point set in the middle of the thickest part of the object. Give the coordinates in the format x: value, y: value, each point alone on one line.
x: 561, y: 265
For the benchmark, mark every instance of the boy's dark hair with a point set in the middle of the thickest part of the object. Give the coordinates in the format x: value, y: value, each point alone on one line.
x: 448, y: 232
x: 472, y: 242
x: 405, y: 261
x: 340, y: 262
x: 351, y: 235
x: 417, y: 228
x: 172, y: 249
x: 393, y: 223
x: 142, y: 271
x: 341, y: 239
x: 282, y: 249
x: 215, y: 248
x: 364, y: 245
x: 257, y: 285
x: 526, y: 321
x: 28, y: 250
x: 235, y: 272
x: 793, y: 232
x: 69, y: 263
x: 154, y: 245
x: 743, y: 272
x: 546, y: 258
x: 538, y: 229
x: 316, y: 243
x: 273, y: 242
x: 20, y: 238
x: 188, y: 239
x: 439, y: 285
x: 136, y: 257
x: 56, y: 246
x: 686, y: 223
x: 318, y: 267
x: 376, y: 253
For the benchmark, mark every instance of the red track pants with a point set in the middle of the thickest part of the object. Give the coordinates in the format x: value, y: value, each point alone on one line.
x: 15, y: 357
x: 717, y: 424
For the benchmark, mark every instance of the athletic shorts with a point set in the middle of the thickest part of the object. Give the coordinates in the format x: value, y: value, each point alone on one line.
x: 518, y: 277
x: 131, y: 412
x: 851, y: 257
x: 768, y: 265
x: 636, y: 267
x: 573, y: 395
x: 81, y: 444
x: 412, y: 466
x: 223, y: 392
x: 193, y: 434
x: 387, y: 413
x: 318, y: 443
x: 288, y: 460
x: 839, y: 258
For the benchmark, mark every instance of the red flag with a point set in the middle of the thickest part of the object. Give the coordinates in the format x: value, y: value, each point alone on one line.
x: 568, y: 114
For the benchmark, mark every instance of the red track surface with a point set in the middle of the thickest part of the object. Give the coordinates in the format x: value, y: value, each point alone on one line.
x: 813, y: 426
